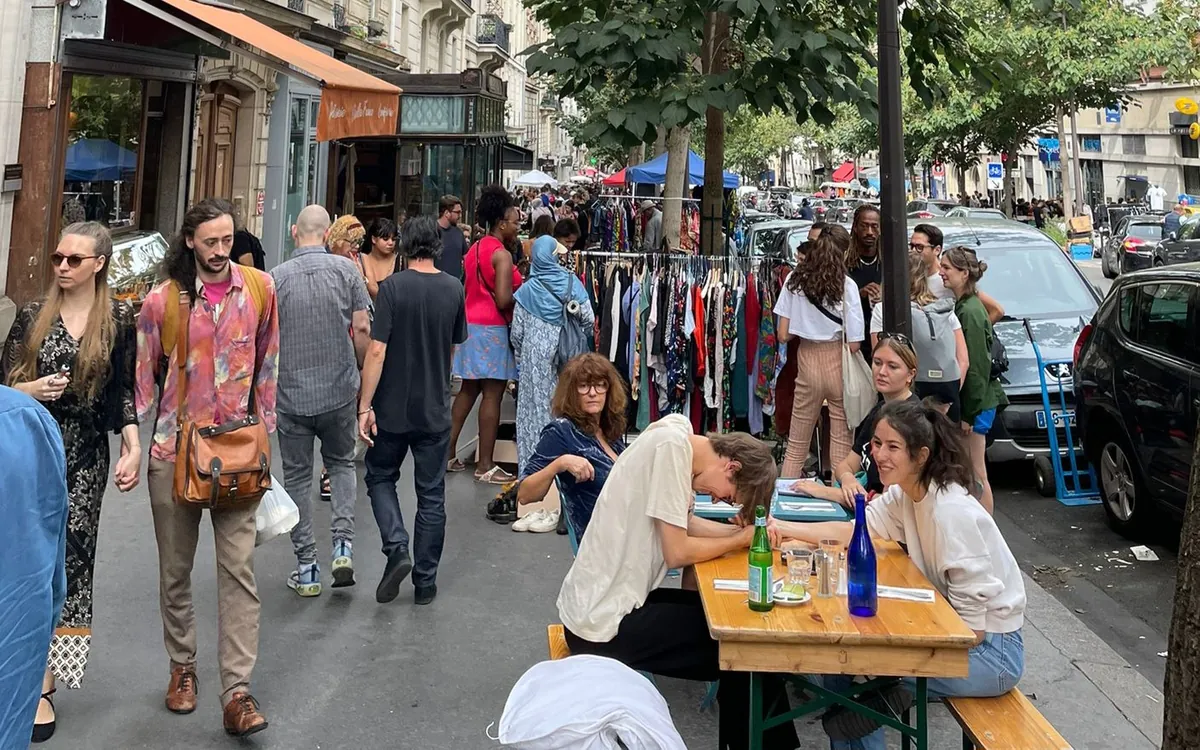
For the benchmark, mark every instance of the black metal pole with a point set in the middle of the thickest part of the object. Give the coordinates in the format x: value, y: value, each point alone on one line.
x: 894, y: 231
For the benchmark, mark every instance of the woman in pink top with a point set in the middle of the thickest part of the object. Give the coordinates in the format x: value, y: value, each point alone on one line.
x: 485, y: 360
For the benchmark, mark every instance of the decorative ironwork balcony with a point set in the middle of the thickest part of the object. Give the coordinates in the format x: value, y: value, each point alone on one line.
x: 491, y: 29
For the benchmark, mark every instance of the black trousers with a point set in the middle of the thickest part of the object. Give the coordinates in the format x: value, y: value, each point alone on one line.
x: 668, y: 636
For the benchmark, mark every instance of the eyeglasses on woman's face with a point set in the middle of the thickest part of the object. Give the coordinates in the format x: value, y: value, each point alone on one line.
x: 73, y: 261
x: 598, y: 388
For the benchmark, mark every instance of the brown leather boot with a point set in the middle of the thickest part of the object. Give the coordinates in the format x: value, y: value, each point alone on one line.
x: 242, y: 717
x: 182, y: 692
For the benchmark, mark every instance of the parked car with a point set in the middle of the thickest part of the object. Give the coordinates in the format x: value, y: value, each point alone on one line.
x: 927, y: 208
x: 762, y: 239
x: 966, y: 212
x: 1131, y: 245
x: 1033, y: 283
x: 136, y: 265
x: 1182, y: 246
x: 1137, y: 385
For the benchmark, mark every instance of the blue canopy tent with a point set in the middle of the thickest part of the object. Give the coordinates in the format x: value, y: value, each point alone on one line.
x: 654, y: 172
x: 99, y: 160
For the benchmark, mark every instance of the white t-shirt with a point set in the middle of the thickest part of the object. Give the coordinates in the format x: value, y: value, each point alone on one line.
x: 938, y: 287
x: 877, y: 319
x: 620, y: 559
x: 1156, y: 195
x: 959, y: 548
x: 805, y: 321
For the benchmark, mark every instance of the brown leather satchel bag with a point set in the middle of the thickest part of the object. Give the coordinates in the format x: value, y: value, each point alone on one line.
x: 218, y: 466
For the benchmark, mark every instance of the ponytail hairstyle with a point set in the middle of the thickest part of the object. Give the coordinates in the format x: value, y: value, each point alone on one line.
x: 922, y: 425
x: 965, y: 259
x: 494, y: 203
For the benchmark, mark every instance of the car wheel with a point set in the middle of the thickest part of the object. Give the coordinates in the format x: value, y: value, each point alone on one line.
x: 1043, y: 477
x: 1105, y: 268
x: 1126, y: 505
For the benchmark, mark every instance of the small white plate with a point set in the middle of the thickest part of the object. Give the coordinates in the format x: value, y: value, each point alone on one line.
x: 788, y: 599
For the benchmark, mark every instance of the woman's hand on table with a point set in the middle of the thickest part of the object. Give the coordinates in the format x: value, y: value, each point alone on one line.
x: 850, y: 488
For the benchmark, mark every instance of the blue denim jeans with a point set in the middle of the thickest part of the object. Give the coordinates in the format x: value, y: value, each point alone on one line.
x: 996, y: 665
x: 383, y: 462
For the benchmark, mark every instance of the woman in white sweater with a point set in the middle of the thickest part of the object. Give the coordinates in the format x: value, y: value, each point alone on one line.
x: 924, y: 463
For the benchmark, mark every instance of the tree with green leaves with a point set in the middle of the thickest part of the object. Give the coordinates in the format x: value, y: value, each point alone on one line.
x: 802, y: 58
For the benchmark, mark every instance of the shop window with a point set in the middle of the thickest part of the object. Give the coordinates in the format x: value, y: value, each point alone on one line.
x: 1188, y: 148
x: 444, y: 165
x: 432, y: 114
x: 303, y: 154
x: 1191, y: 180
x: 104, y: 149
x: 1090, y: 144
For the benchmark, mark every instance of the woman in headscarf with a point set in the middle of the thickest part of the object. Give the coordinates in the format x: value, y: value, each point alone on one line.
x: 537, y: 321
x: 345, y: 237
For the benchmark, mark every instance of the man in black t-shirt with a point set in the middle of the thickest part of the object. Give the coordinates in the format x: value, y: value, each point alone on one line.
x: 863, y: 264
x: 454, y: 242
x: 405, y: 405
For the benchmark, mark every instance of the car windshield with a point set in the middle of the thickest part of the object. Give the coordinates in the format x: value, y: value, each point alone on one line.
x: 1035, y: 282
x: 1145, y: 231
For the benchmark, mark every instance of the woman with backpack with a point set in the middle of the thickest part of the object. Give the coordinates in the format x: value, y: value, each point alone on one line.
x: 551, y: 298
x: 937, y: 339
x: 981, y: 395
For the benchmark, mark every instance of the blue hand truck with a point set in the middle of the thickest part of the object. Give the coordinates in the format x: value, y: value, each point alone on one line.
x: 1075, y: 483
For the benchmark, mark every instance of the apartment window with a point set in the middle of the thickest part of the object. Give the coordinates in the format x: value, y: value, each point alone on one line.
x: 1133, y: 144
x: 1188, y: 148
x: 1090, y: 144
x: 1191, y: 180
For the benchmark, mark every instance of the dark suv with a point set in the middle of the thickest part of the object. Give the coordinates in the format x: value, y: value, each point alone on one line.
x: 1137, y: 388
x: 1131, y: 245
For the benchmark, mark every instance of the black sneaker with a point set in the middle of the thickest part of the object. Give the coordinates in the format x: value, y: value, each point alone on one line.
x: 843, y: 725
x: 503, y: 509
x: 425, y: 594
x: 399, y: 565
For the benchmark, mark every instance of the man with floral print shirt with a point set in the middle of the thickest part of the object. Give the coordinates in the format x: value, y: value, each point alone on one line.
x: 233, y: 346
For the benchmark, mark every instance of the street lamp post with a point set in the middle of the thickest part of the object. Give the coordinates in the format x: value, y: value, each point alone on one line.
x: 894, y: 231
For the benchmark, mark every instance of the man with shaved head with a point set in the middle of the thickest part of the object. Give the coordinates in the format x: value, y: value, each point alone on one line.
x: 321, y: 296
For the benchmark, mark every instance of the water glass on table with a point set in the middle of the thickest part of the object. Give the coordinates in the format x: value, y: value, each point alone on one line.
x: 833, y: 556
x: 798, y: 557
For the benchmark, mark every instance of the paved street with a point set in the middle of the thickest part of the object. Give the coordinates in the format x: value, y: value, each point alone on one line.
x: 342, y: 671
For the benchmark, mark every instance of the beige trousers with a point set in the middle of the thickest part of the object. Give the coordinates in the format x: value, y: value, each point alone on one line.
x: 177, y: 531
x: 818, y: 381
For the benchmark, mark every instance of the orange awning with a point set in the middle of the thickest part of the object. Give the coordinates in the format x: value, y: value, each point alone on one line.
x: 353, y: 103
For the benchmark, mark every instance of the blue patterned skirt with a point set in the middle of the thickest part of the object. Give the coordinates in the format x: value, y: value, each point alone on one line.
x: 485, y: 355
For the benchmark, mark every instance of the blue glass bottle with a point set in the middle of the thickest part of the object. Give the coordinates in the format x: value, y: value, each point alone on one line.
x: 862, y: 593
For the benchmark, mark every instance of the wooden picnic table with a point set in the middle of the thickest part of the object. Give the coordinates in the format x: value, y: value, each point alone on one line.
x: 904, y: 639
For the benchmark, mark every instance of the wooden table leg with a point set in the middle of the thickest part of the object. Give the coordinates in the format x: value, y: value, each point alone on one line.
x: 756, y: 711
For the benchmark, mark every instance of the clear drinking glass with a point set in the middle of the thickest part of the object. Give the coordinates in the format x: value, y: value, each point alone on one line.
x: 836, y: 551
x: 799, y: 557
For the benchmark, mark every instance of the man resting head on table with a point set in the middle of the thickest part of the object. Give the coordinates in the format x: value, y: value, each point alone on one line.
x: 642, y: 526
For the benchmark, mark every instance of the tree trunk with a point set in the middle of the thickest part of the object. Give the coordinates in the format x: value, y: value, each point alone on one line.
x: 712, y: 205
x: 637, y: 155
x: 1181, y: 714
x: 660, y: 142
x: 1064, y: 173
x: 677, y: 169
x: 1009, y: 194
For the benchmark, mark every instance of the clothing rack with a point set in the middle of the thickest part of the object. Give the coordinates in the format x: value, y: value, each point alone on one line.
x: 648, y: 198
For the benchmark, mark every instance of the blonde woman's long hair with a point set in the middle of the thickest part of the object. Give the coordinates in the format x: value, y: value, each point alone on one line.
x: 918, y: 282
x: 91, y: 367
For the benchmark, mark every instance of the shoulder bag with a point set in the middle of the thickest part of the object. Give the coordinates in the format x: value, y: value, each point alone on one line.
x: 572, y: 339
x: 219, y: 466
x: 858, y: 392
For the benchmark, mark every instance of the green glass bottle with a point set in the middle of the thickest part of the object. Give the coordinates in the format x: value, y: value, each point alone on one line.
x: 761, y: 588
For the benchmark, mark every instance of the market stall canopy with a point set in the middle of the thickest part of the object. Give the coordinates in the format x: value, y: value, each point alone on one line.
x: 536, y: 178
x: 616, y: 179
x: 353, y: 103
x: 654, y: 172
x: 99, y: 160
x: 844, y: 173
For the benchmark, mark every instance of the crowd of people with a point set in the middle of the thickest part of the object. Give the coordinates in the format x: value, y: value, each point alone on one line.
x: 360, y: 337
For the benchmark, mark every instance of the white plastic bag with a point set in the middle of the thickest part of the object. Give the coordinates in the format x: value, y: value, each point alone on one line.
x: 276, y: 514
x: 586, y: 703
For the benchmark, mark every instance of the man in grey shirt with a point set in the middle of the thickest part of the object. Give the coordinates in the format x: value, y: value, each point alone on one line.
x: 652, y: 240
x: 322, y: 298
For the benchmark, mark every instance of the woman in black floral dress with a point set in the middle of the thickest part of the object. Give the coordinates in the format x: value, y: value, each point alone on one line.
x: 74, y: 351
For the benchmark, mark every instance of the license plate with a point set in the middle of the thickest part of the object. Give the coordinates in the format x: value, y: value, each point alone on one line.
x: 1057, y: 417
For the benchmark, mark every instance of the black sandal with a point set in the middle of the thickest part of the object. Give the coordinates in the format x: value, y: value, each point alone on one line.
x: 43, y: 732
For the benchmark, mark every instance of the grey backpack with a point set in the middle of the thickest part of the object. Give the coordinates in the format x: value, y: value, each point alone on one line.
x: 933, y: 338
x: 573, y: 340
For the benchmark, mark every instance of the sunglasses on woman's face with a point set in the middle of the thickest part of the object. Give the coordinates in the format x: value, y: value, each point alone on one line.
x: 73, y: 261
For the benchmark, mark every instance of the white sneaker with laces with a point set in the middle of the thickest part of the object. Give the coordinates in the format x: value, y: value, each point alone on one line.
x: 524, y: 523
x: 547, y: 523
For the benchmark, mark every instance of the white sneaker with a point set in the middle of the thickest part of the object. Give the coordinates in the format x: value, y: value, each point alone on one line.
x: 547, y: 523
x: 524, y: 523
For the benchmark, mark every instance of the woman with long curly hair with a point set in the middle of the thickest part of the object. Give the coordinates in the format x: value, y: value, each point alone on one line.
x: 74, y: 351
x: 819, y: 306
x: 581, y: 444
x: 485, y: 360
